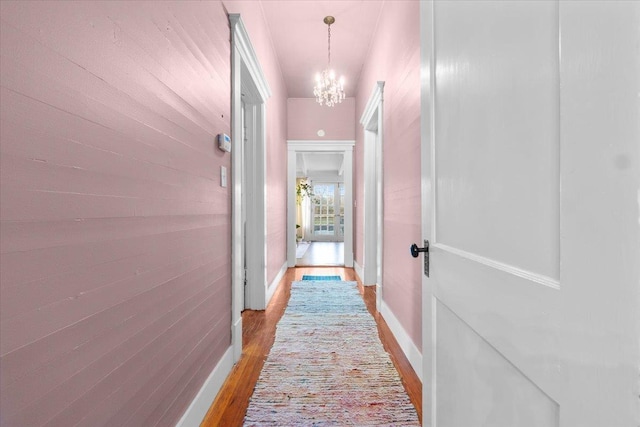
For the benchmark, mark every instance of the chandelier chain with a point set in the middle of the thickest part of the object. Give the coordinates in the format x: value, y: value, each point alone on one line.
x: 329, y: 44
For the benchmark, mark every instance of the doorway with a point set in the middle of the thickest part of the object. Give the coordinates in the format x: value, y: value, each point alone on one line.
x: 372, y: 122
x: 328, y: 212
x: 320, y: 210
x: 249, y: 92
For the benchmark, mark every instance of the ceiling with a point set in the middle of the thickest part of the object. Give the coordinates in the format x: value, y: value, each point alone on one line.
x: 309, y: 164
x: 300, y: 39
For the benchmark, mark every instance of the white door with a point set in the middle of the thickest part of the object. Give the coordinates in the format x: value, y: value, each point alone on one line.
x: 327, y: 212
x: 530, y: 194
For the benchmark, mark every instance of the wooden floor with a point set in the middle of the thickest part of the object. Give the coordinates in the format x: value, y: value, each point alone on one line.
x: 323, y: 254
x: 258, y: 335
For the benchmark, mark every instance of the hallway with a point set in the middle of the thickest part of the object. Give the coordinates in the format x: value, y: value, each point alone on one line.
x: 259, y: 328
x: 148, y: 192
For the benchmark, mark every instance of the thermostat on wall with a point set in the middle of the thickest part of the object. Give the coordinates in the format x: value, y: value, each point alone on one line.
x: 224, y: 142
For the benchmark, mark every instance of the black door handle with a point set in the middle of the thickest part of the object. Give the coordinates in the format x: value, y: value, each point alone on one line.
x: 415, y: 252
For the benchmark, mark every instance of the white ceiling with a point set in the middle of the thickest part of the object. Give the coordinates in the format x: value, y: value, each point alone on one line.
x: 299, y: 37
x: 318, y: 163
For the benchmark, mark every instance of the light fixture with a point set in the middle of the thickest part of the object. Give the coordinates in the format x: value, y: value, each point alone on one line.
x: 328, y: 90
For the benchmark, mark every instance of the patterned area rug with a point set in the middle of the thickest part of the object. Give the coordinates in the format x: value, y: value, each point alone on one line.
x: 327, y: 366
x: 334, y: 278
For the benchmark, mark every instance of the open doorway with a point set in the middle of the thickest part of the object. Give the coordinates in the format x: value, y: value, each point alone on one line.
x: 372, y: 122
x: 320, y: 219
x: 320, y: 205
x: 249, y: 93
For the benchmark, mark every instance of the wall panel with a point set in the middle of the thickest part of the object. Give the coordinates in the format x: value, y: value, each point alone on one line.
x: 394, y: 58
x: 115, y: 250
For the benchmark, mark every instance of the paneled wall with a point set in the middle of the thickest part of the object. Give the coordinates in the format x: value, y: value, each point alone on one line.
x: 115, y: 250
x: 394, y: 58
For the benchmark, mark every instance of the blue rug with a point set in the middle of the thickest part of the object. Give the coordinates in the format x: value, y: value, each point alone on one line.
x: 307, y: 277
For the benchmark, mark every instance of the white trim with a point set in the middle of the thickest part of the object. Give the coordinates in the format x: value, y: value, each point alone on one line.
x: 236, y: 339
x: 291, y: 207
x: 409, y: 349
x: 358, y: 269
x: 300, y: 146
x: 246, y: 76
x: 199, y: 406
x: 237, y: 236
x: 510, y: 269
x: 372, y: 104
x: 428, y: 203
x: 256, y: 206
x: 427, y: 199
x: 372, y: 121
x: 274, y: 284
x: 241, y: 40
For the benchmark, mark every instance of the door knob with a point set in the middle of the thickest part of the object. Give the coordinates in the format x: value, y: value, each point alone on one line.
x: 415, y: 251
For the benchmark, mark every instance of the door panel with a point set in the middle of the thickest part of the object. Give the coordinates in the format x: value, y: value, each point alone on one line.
x: 511, y: 313
x: 497, y: 131
x: 530, y: 191
x: 478, y: 376
x: 496, y: 256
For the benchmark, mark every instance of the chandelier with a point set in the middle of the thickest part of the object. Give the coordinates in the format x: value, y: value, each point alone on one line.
x: 328, y: 90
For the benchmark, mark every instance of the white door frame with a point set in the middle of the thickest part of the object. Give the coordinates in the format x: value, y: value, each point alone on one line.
x: 298, y: 146
x: 248, y: 84
x: 372, y: 122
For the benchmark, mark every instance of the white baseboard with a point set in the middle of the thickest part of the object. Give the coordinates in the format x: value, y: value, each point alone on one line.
x: 406, y: 343
x: 236, y: 341
x: 274, y: 285
x: 198, y: 408
x: 358, y: 269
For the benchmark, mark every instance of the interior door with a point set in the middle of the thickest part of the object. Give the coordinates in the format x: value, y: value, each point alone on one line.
x: 327, y: 212
x: 530, y: 172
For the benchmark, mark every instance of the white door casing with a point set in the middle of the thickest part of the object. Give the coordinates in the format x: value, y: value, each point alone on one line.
x: 298, y: 146
x: 530, y: 201
x: 248, y: 85
x: 372, y: 122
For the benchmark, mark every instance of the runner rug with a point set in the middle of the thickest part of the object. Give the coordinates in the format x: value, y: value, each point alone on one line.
x: 327, y: 366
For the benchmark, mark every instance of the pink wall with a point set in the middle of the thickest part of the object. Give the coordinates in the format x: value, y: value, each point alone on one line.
x: 255, y: 23
x: 115, y: 250
x: 306, y: 117
x: 395, y: 58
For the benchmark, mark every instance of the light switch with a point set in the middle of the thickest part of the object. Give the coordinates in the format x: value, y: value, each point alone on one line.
x: 223, y: 176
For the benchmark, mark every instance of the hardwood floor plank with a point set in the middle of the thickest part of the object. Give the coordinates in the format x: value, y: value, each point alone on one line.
x: 258, y: 335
